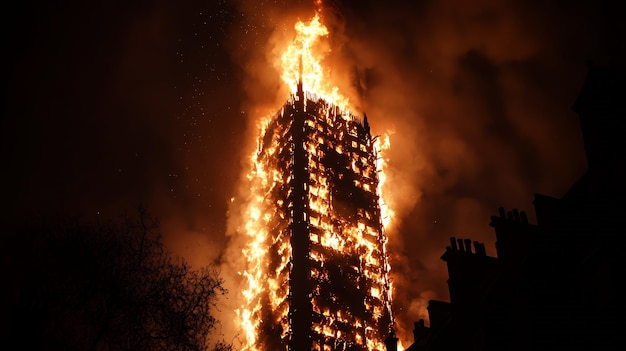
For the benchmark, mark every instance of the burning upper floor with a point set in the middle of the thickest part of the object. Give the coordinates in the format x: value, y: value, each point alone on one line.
x: 320, y: 278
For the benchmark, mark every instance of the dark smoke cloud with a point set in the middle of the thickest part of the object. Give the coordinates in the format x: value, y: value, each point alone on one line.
x: 478, y: 95
x: 109, y: 105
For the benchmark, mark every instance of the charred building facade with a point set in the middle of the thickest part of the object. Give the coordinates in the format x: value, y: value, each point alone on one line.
x: 325, y: 283
x: 555, y: 285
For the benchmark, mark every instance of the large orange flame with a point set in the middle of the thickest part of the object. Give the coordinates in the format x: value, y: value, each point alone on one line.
x: 302, y: 60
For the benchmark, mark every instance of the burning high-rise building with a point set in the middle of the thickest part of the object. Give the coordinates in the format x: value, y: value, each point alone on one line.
x: 317, y: 275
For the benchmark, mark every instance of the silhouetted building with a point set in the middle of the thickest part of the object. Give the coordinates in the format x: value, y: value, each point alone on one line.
x: 326, y: 285
x: 554, y: 285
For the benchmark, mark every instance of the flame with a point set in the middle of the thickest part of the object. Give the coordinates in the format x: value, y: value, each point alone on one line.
x: 302, y: 62
x: 380, y: 148
x: 329, y: 128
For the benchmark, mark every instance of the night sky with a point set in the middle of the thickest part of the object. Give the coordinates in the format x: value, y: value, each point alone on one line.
x: 109, y: 105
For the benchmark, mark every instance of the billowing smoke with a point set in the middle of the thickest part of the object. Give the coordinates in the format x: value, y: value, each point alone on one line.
x: 476, y: 97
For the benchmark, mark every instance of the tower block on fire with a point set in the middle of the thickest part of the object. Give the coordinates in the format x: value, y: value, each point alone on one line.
x: 327, y: 285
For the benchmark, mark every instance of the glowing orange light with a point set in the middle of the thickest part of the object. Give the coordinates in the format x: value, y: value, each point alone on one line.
x: 301, y: 61
x: 364, y: 239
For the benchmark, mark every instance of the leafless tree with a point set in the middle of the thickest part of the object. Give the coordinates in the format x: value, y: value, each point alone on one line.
x: 107, y: 286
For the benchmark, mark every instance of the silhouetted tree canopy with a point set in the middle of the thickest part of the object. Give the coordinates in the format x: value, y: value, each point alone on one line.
x: 105, y: 286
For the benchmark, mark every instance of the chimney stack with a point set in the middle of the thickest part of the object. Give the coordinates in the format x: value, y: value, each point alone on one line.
x: 468, y: 245
x: 453, y: 245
